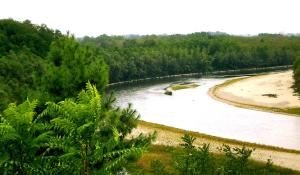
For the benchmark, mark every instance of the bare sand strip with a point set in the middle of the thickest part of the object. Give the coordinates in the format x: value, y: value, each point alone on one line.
x: 271, y: 92
x: 171, y: 137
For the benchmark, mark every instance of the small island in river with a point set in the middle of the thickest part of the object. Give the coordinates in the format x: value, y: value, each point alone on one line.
x: 178, y: 86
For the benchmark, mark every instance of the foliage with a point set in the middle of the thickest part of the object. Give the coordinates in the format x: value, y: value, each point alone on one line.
x: 192, y: 160
x: 22, y: 139
x: 70, y: 66
x: 23, y: 48
x: 87, y: 134
x: 69, y: 137
x: 176, y: 87
x: 40, y: 63
x: 19, y: 76
x: 158, y: 168
x: 236, y: 159
x: 161, y: 55
x: 296, y: 69
x: 14, y: 36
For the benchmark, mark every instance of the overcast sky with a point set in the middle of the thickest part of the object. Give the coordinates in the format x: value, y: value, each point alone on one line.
x: 120, y: 17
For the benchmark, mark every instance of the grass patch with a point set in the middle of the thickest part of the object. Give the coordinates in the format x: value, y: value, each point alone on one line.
x: 176, y: 87
x: 164, y: 155
x: 156, y: 152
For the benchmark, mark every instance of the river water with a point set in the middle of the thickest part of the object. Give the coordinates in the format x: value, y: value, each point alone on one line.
x: 194, y: 110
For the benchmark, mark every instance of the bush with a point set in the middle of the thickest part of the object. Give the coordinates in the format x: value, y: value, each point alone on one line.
x: 192, y: 160
x: 74, y: 136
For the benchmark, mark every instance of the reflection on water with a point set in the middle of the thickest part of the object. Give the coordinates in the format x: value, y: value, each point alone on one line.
x: 195, y: 110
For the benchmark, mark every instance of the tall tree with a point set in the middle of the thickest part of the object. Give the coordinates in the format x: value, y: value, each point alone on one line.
x: 70, y: 66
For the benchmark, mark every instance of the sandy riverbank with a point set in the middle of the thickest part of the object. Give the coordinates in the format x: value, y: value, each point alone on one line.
x: 267, y: 92
x: 171, y: 137
x: 276, y: 83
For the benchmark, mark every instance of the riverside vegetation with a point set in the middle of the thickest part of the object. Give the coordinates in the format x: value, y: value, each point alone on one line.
x: 42, y: 63
x: 61, y: 133
x: 296, y: 69
x: 187, y: 159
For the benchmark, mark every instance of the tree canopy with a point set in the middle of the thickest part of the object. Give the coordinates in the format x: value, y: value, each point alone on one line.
x: 41, y: 63
x: 161, y: 55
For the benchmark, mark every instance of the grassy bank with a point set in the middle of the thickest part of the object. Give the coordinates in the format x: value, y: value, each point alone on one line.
x: 164, y: 155
x: 213, y: 93
x: 171, y: 137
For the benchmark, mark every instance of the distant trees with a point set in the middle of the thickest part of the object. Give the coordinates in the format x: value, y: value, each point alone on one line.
x: 296, y: 69
x: 151, y: 56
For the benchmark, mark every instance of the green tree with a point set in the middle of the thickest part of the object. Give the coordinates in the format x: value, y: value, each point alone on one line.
x: 15, y: 35
x: 236, y: 159
x: 85, y: 135
x: 192, y: 160
x: 22, y: 140
x: 70, y: 65
x: 20, y: 76
x: 91, y: 139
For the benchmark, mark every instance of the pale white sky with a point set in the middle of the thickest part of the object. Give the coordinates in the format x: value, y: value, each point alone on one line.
x: 119, y: 17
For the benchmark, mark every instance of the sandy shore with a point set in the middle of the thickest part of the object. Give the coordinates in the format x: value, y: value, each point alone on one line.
x: 171, y: 137
x: 262, y: 91
x: 249, y: 93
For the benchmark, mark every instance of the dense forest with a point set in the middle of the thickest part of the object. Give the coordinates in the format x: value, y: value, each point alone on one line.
x: 73, y: 127
x: 43, y: 64
x: 151, y: 56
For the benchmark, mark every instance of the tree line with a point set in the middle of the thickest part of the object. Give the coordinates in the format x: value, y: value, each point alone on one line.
x: 160, y: 55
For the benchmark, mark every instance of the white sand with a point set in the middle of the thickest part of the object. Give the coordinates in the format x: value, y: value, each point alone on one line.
x: 250, y: 91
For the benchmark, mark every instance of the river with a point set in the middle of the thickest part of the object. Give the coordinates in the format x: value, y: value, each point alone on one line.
x: 194, y: 110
